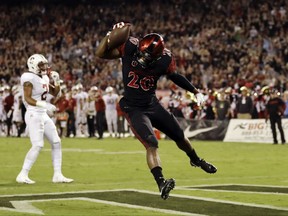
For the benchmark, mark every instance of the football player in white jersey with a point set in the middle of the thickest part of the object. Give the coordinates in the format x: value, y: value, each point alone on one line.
x: 81, y: 109
x: 111, y: 100
x: 35, y: 87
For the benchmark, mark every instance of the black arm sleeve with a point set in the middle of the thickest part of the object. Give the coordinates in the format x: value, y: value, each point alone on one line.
x: 182, y: 82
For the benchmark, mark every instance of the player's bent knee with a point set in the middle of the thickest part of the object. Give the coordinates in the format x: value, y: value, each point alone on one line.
x: 38, y: 143
x: 152, y: 141
x: 56, y: 145
x: 55, y: 140
x: 36, y: 148
x: 178, y: 136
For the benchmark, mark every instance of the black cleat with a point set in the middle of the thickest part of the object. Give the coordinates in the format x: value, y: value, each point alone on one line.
x: 207, y: 167
x: 165, y: 188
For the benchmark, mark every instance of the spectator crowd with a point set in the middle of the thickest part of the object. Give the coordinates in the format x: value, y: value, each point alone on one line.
x: 233, y: 51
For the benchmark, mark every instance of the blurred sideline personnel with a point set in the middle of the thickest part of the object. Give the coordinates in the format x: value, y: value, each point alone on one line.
x: 17, y: 118
x: 81, y: 108
x: 91, y: 111
x: 100, y: 113
x: 244, y: 104
x: 36, y: 86
x: 144, y: 61
x: 111, y: 100
x: 274, y: 111
x: 61, y: 114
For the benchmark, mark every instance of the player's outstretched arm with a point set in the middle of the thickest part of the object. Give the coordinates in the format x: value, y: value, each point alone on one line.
x: 182, y: 82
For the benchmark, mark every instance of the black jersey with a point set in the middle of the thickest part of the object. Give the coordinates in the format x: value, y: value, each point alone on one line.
x: 140, y: 83
x: 275, y: 107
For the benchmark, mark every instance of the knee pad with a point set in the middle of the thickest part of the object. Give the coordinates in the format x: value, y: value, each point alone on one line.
x: 152, y: 141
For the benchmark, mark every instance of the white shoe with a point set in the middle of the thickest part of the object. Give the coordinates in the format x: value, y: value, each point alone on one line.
x: 59, y: 178
x: 24, y: 179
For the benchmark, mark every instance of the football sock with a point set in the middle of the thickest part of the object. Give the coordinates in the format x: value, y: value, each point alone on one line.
x: 193, y: 157
x: 30, y: 159
x: 158, y: 176
x: 56, y: 154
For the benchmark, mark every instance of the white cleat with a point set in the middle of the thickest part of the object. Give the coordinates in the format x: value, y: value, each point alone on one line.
x: 24, y: 179
x: 59, y: 178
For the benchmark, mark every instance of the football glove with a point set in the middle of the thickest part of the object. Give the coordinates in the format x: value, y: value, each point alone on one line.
x: 48, y: 106
x: 119, y: 25
x: 200, y: 99
x: 55, y: 77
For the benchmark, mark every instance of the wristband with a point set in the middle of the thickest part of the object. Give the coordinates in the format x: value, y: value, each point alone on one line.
x: 41, y: 104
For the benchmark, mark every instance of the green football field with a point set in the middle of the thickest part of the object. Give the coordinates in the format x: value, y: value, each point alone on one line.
x: 112, y: 178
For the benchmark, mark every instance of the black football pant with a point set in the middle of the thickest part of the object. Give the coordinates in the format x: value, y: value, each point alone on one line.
x: 100, y: 120
x: 277, y: 121
x: 91, y: 125
x: 143, y: 119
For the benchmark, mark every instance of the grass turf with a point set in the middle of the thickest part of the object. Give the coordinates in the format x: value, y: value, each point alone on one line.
x: 116, y: 164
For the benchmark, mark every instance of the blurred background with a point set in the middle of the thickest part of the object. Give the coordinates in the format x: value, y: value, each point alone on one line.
x: 219, y: 45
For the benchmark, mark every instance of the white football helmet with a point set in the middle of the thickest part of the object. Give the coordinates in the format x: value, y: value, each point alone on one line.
x: 109, y: 89
x: 74, y: 90
x: 37, y: 64
x: 94, y: 88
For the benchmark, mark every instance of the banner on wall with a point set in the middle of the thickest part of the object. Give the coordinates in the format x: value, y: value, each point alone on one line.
x: 204, y: 129
x: 253, y: 130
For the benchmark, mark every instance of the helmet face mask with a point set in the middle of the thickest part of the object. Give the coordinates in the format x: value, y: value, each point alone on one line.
x: 38, y: 64
x: 150, y: 49
x: 144, y: 59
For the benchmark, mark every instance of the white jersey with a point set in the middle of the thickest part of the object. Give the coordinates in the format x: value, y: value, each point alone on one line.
x: 91, y: 110
x: 110, y: 101
x: 39, y: 91
x: 81, y: 102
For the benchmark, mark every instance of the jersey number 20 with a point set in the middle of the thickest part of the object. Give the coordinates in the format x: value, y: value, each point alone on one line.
x: 145, y: 83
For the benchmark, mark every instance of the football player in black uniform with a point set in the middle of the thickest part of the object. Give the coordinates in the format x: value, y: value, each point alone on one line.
x: 144, y: 61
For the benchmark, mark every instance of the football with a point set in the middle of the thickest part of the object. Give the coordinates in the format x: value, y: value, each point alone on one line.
x: 119, y: 35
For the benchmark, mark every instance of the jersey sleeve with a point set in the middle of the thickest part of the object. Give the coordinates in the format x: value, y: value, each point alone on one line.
x: 172, y: 66
x: 26, y: 77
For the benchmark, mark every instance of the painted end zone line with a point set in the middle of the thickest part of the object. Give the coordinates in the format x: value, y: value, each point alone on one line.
x: 141, y: 207
x: 219, y: 201
x: 27, y: 207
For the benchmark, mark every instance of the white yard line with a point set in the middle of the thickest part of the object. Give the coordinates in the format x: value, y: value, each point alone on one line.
x: 99, y: 151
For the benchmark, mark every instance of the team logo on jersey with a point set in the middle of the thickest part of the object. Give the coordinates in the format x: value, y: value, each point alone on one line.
x: 134, y: 63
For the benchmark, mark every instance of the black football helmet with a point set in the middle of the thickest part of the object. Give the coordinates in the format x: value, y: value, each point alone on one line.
x: 150, y: 49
